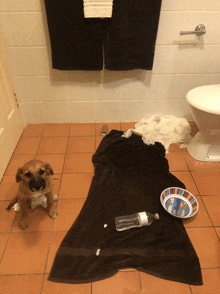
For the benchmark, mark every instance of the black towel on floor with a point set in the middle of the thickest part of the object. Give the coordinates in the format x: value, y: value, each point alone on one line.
x: 124, y: 42
x: 129, y: 178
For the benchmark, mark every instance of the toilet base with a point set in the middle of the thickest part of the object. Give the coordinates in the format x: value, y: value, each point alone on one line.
x: 203, y: 151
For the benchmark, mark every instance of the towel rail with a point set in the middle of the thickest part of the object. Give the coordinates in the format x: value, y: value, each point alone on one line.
x: 199, y: 30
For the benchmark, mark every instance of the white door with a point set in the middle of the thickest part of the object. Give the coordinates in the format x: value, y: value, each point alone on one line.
x: 11, y: 122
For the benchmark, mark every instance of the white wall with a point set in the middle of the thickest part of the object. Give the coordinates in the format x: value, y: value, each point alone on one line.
x: 180, y: 64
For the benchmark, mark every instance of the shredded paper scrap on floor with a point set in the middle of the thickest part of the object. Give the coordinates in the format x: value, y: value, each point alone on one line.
x: 166, y: 130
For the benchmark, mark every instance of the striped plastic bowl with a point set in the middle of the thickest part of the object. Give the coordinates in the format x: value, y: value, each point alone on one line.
x: 179, y: 202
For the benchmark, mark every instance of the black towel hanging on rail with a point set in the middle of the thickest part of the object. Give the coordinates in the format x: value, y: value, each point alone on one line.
x: 124, y: 42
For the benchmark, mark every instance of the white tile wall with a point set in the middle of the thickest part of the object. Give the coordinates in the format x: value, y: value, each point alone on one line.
x: 181, y: 63
x: 21, y: 6
x: 108, y: 111
x: 82, y: 112
x: 58, y: 112
x: 29, y: 89
x: 32, y: 112
x: 23, y: 29
x: 29, y: 61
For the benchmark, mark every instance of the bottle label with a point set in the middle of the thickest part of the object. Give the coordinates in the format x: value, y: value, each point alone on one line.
x: 143, y: 218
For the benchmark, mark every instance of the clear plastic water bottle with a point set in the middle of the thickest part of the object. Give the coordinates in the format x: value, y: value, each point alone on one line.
x: 136, y: 220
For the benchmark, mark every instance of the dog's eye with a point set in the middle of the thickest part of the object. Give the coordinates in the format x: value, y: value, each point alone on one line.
x: 28, y: 174
x: 41, y: 171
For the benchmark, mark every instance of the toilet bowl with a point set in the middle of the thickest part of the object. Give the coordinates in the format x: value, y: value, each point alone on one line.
x: 205, y: 105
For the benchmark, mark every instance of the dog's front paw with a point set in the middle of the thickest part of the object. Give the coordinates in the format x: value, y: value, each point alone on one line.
x: 53, y: 212
x: 23, y: 223
x: 55, y: 197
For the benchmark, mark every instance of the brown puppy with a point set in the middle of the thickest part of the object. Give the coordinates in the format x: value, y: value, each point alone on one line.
x: 35, y: 180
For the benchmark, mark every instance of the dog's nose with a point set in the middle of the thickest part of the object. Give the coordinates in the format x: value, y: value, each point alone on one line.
x: 37, y: 185
x: 37, y: 188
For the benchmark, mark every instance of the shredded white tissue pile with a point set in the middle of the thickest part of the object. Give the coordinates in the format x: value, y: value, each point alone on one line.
x: 166, y: 130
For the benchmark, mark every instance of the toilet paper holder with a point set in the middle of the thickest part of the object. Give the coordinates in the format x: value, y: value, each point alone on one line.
x: 199, y: 30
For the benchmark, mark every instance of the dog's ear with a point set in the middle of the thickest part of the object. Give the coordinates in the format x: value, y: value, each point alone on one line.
x: 48, y: 167
x: 18, y: 174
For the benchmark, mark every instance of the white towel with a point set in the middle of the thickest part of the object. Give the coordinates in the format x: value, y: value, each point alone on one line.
x: 99, y: 8
x: 166, y: 130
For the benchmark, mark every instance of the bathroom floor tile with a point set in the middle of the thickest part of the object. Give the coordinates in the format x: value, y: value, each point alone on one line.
x: 98, y: 141
x: 176, y: 161
x: 57, y: 181
x: 39, y: 221
x: 201, y: 219
x: 25, y: 253
x: 27, y: 146
x: 78, y: 163
x: 82, y: 129
x: 56, y: 161
x: 207, y: 182
x: 6, y: 217
x: 56, y: 240
x: 81, y: 144
x: 187, y: 180
x: 154, y: 285
x: 207, y: 246
x: 16, y: 162
x: 3, y: 242
x: 75, y: 185
x: 121, y: 283
x: 8, y: 187
x: 218, y: 232
x: 68, y: 210
x: 53, y: 145
x: 21, y: 284
x: 57, y: 288
x: 211, y: 282
x: 175, y: 147
x: 127, y: 125
x: 199, y: 165
x: 57, y: 130
x: 111, y: 126
x: 34, y: 130
x: 212, y: 204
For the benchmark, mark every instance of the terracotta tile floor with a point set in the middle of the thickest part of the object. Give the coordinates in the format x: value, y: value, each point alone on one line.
x: 27, y: 256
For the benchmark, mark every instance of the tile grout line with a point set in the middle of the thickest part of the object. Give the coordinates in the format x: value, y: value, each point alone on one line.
x: 9, y: 234
x: 40, y: 141
x: 216, y: 233
x: 190, y: 288
x: 7, y: 275
x: 44, y: 274
x: 51, y: 234
x: 45, y: 268
x: 12, y: 155
x: 208, y: 268
x: 200, y: 195
x: 202, y: 202
x: 140, y: 281
x: 9, y: 200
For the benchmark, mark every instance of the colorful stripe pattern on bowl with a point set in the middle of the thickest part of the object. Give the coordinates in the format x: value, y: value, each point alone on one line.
x: 183, y: 207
